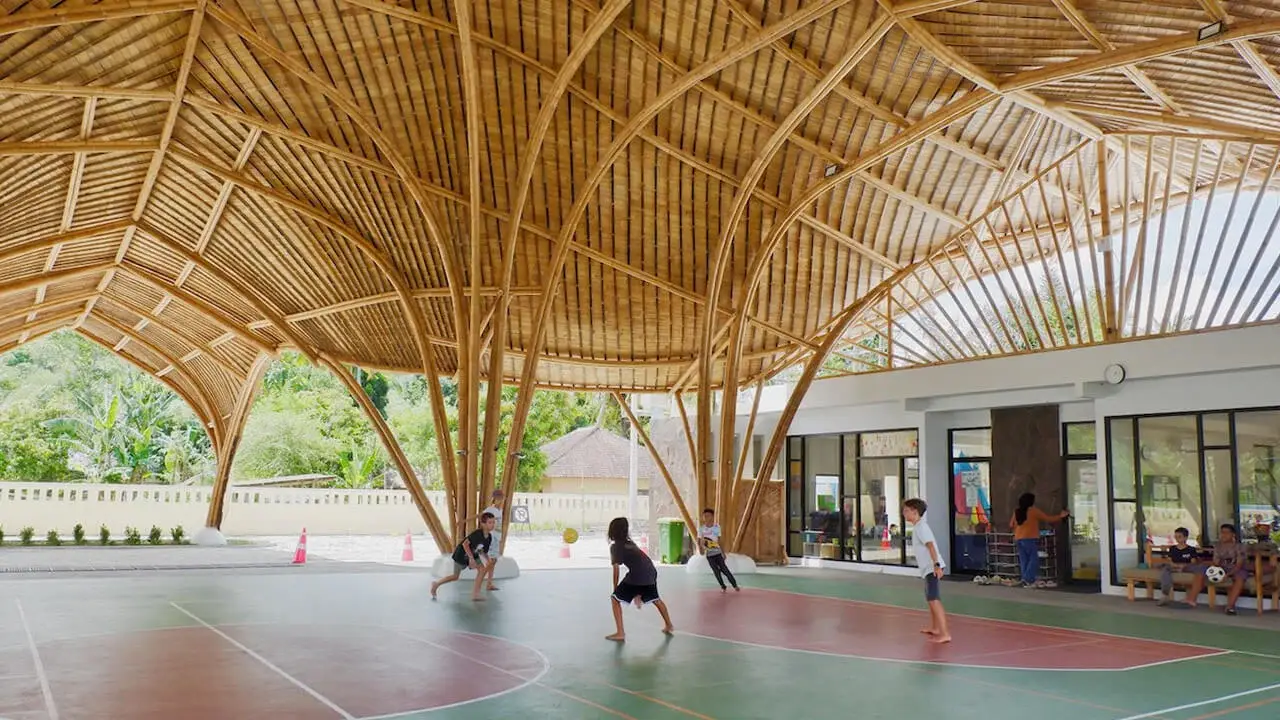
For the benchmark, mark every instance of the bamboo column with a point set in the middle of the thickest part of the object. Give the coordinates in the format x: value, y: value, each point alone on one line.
x: 233, y: 430
x: 690, y: 526
x: 728, y: 517
x: 443, y: 541
x: 842, y: 322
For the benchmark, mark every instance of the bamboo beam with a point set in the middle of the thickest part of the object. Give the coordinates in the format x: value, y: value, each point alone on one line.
x: 469, y: 334
x: 62, y: 15
x: 720, y: 253
x: 1166, y: 46
x: 69, y: 147
x: 528, y: 165
x: 112, y: 92
x: 444, y: 543
x: 206, y: 310
x: 690, y: 526
x: 235, y: 431
x: 1175, y: 122
x: 179, y: 333
x: 673, y: 91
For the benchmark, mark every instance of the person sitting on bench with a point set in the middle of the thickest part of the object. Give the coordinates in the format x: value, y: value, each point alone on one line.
x: 1233, y: 557
x: 1182, y: 558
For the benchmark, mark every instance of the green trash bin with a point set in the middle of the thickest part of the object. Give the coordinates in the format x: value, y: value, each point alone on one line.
x: 670, y: 540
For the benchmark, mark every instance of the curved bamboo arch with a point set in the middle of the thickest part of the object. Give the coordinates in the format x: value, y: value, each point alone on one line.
x: 400, y: 286
x: 235, y: 422
x: 533, y: 149
x: 689, y: 80
x: 201, y: 392
x: 869, y: 39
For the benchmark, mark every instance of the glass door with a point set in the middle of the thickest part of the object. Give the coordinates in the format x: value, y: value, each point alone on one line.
x: 1082, y: 502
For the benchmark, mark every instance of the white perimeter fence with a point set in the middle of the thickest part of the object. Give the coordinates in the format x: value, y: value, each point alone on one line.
x: 266, y: 511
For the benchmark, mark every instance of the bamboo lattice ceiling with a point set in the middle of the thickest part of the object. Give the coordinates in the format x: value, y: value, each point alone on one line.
x: 194, y: 183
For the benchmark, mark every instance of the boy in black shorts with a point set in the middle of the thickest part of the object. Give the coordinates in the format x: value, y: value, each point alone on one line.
x: 641, y: 582
x: 471, y: 553
x: 1182, y: 557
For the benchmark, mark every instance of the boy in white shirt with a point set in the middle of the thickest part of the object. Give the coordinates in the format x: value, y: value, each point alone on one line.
x: 494, y: 509
x: 709, y: 539
x: 925, y: 547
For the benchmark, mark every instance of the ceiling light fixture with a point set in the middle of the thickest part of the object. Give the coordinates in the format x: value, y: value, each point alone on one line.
x: 1211, y: 30
x: 831, y: 170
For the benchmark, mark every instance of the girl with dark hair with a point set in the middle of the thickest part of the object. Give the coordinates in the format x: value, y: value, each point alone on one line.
x: 640, y: 585
x: 1026, y: 533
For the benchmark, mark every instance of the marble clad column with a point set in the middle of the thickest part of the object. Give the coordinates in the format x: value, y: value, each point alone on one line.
x: 1026, y: 456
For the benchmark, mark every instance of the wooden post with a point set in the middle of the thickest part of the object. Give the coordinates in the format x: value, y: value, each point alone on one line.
x: 662, y: 468
x: 728, y: 422
x: 443, y: 542
x: 727, y: 516
x: 225, y: 451
x: 1110, y: 330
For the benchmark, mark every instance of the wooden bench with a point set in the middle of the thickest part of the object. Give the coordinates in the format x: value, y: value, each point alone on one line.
x: 1264, y: 583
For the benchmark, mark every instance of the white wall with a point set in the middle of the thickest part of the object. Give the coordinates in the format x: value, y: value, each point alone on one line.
x: 261, y: 511
x: 1209, y: 371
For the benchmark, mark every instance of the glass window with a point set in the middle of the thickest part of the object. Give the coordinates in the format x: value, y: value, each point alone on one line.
x: 881, y: 485
x: 910, y: 489
x: 1125, y: 532
x: 1121, y: 455
x: 1221, y: 505
x: 1258, y: 466
x: 901, y: 443
x: 1170, y: 475
x: 1082, y: 439
x: 856, y: 512
x: 1217, y: 430
x: 821, y: 495
x: 1082, y: 496
x: 971, y: 443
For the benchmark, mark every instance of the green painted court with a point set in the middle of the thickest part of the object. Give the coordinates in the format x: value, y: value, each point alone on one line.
x: 360, y: 642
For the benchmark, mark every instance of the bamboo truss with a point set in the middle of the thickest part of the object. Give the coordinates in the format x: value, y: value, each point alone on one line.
x: 664, y: 197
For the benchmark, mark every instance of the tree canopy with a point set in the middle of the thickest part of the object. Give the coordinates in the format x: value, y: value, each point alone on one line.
x: 71, y: 411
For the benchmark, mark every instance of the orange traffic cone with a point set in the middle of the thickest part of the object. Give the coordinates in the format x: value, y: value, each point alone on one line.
x: 1128, y: 539
x: 300, y: 555
x: 406, y: 555
x: 564, y: 550
x: 886, y: 542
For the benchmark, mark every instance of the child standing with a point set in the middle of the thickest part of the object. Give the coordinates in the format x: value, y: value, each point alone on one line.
x: 709, y: 539
x: 640, y: 585
x: 471, y: 553
x: 925, y: 547
x: 495, y: 545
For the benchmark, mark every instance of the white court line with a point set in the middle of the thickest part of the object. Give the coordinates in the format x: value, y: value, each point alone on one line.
x: 940, y: 663
x: 270, y: 665
x: 524, y: 682
x: 1019, y: 623
x: 1202, y: 703
x: 35, y: 656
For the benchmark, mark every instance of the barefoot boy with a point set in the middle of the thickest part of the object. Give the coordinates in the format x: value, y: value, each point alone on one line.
x: 640, y: 585
x: 925, y: 548
x: 471, y: 553
x: 709, y: 539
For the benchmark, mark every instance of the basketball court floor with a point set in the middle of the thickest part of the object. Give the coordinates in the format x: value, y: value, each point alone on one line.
x: 351, y: 642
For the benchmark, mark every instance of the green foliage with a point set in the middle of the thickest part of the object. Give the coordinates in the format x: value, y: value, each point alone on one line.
x: 132, y: 537
x: 70, y: 411
x: 1, y: 534
x: 52, y: 538
x: 156, y: 536
x: 28, y: 535
x: 78, y: 533
x: 177, y: 534
x: 104, y: 535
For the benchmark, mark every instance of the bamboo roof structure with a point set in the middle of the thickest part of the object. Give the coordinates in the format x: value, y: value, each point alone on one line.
x: 632, y: 194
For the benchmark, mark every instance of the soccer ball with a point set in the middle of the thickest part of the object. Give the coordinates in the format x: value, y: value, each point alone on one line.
x: 570, y: 536
x: 1215, y: 574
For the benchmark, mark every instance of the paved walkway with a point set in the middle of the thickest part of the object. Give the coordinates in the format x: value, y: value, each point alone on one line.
x: 91, y: 558
x: 539, y: 551
x: 533, y: 552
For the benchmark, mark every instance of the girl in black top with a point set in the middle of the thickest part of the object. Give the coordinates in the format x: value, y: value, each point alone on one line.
x: 640, y: 585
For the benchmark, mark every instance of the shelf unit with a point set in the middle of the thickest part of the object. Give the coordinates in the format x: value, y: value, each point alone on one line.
x: 1002, y: 556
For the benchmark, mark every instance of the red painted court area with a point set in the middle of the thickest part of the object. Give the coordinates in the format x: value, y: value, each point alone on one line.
x: 282, y: 671
x: 850, y: 628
